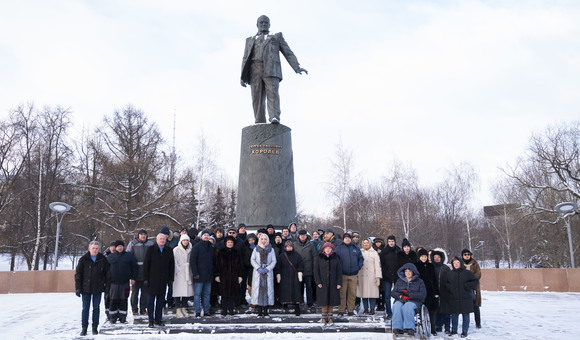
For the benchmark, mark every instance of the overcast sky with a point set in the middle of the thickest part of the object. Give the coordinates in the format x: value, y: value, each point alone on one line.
x: 430, y: 83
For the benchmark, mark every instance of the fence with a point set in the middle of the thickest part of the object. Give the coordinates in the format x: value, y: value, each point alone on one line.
x: 532, y: 280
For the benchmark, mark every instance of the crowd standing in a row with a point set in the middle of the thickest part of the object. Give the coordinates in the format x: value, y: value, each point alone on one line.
x: 288, y: 269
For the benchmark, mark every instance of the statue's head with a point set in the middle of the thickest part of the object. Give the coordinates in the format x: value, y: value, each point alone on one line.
x: 263, y: 24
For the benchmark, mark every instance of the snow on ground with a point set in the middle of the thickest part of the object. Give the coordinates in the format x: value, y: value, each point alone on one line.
x: 505, y: 315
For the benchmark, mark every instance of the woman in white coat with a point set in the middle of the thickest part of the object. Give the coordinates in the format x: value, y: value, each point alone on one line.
x: 182, y: 283
x: 369, y: 278
x: 263, y: 260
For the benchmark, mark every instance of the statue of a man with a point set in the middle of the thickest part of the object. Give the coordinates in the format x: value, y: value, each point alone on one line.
x: 262, y: 70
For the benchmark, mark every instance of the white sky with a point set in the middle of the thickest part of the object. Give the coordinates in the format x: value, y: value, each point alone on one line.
x: 429, y: 83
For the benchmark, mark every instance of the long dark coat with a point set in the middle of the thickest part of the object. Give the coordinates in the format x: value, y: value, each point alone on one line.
x: 328, y: 272
x: 441, y: 270
x: 427, y: 274
x: 290, y: 289
x: 92, y: 277
x: 473, y: 266
x: 246, y: 260
x: 459, y: 284
x: 403, y: 258
x: 158, y: 268
x: 229, y: 268
x: 390, y: 263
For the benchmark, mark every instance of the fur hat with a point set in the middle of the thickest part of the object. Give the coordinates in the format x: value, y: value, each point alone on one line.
x: 119, y: 243
x: 327, y: 244
x: 392, y: 237
x: 113, y: 244
x: 422, y: 252
x: 229, y: 238
x: 253, y: 236
x: 405, y: 243
x: 165, y: 230
x: 378, y: 239
x: 270, y: 226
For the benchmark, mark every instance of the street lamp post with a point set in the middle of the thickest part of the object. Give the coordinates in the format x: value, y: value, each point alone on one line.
x: 60, y: 209
x: 565, y: 208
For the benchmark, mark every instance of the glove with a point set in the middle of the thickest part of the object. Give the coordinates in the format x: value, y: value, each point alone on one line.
x: 196, y: 277
x: 217, y: 279
x: 377, y: 281
x: 278, y: 278
x: 239, y: 280
x: 78, y: 293
x: 300, y: 276
x: 145, y: 283
x: 405, y: 292
x: 263, y: 271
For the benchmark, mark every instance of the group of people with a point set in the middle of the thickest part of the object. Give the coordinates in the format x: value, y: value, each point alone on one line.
x: 284, y: 268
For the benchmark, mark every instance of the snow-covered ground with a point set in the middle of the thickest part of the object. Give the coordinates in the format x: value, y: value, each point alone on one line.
x: 505, y: 315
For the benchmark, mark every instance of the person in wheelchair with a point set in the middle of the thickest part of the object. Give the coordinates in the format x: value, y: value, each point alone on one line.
x: 409, y: 294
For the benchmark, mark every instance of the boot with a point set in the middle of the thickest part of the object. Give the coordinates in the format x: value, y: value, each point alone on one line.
x: 297, y: 309
x: 329, y: 321
x: 266, y: 311
x: 260, y: 311
x: 83, y: 332
x: 184, y: 312
x: 178, y: 313
x: 323, y: 319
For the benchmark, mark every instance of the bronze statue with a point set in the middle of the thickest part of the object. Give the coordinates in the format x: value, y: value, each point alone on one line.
x: 262, y: 70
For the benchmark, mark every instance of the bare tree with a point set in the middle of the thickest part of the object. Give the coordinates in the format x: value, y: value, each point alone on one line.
x: 342, y: 177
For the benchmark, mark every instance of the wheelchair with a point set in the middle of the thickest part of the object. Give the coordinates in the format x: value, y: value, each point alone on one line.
x: 422, y: 324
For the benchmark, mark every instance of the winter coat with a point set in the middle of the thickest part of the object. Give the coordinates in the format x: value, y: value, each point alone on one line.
x: 351, y: 259
x: 308, y: 252
x: 371, y: 269
x: 427, y: 274
x: 172, y: 241
x: 390, y: 263
x: 92, y: 277
x: 415, y: 287
x: 473, y: 266
x: 158, y: 269
x: 201, y: 262
x: 328, y: 273
x: 333, y: 239
x: 403, y: 258
x: 183, y: 282
x: 441, y: 270
x: 123, y: 267
x: 459, y: 285
x: 138, y: 249
x: 246, y: 260
x: 289, y: 288
x: 269, y: 262
x: 317, y: 245
x: 228, y: 266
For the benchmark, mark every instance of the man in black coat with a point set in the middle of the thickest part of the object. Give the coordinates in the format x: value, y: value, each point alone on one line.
x: 91, y: 279
x: 389, y: 267
x: 201, y: 263
x: 158, y: 270
x: 123, y: 271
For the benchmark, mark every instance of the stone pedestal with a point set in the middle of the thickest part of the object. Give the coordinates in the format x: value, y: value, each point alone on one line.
x: 266, y: 182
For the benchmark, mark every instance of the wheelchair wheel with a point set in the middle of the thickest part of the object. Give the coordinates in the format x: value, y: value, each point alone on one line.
x: 424, y: 324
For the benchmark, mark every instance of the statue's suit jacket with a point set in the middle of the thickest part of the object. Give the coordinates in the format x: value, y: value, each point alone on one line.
x: 274, y: 44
